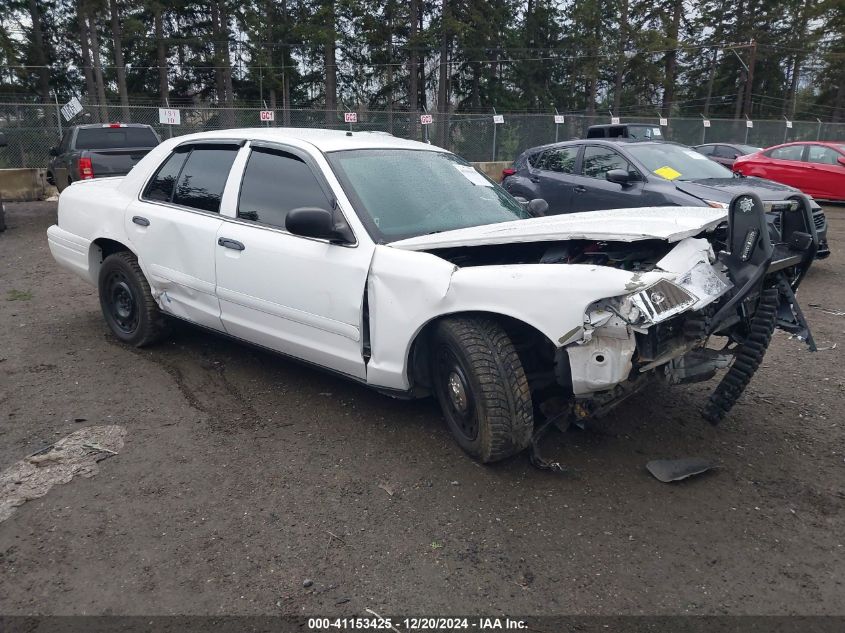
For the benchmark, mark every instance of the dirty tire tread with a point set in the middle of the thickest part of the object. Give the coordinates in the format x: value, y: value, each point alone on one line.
x: 504, y: 398
x: 155, y: 325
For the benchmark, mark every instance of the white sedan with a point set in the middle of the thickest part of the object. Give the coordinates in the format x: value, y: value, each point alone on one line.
x: 397, y: 264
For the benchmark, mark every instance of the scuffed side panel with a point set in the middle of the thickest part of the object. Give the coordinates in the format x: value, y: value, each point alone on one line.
x: 409, y: 289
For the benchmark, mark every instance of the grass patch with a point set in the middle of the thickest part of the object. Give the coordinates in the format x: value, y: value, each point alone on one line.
x: 18, y: 295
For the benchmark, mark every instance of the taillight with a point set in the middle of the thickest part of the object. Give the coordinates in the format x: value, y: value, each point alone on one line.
x: 86, y: 169
x: 508, y: 172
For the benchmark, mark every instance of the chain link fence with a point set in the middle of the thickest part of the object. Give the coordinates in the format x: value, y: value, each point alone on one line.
x: 32, y: 129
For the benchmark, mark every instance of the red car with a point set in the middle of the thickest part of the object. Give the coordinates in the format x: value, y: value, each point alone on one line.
x: 816, y: 168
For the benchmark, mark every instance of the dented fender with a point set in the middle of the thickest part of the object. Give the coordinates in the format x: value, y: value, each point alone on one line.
x: 407, y: 289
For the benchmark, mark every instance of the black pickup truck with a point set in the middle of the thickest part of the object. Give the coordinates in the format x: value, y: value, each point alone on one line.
x: 99, y: 150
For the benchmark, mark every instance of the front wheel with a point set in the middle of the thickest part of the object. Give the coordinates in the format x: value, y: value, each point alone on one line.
x: 127, y: 303
x: 481, y: 387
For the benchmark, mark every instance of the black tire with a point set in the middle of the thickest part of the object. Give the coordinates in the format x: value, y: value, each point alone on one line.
x: 127, y: 302
x: 481, y: 387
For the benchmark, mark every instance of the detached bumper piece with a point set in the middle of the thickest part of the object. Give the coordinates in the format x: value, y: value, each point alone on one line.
x: 766, y: 274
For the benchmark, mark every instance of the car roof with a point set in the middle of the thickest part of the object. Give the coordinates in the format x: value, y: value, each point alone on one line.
x: 86, y: 126
x: 610, y: 142
x: 833, y: 144
x: 324, y: 140
x: 603, y: 125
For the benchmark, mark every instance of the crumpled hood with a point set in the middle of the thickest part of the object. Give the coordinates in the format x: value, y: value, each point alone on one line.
x: 724, y: 189
x: 618, y: 225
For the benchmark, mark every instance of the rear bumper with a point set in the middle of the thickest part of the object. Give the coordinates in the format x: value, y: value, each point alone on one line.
x: 71, y: 252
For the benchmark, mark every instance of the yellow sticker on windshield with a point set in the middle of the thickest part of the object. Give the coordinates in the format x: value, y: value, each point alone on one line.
x: 667, y: 172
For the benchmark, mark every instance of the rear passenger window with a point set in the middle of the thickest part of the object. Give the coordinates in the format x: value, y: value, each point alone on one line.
x: 822, y: 154
x: 203, y: 177
x: 790, y: 152
x: 535, y: 159
x: 160, y: 188
x: 707, y: 150
x: 723, y: 151
x: 561, y: 160
x: 274, y: 183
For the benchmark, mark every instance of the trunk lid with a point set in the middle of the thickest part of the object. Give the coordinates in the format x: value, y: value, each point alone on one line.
x: 115, y: 162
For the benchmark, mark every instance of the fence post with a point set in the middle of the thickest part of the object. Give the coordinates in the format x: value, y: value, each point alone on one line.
x: 819, y: 131
x: 58, y: 114
x: 494, y: 135
x: 557, y: 126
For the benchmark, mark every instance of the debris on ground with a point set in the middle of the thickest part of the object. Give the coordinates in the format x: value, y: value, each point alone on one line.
x: 74, y: 455
x: 669, y: 470
x: 821, y: 308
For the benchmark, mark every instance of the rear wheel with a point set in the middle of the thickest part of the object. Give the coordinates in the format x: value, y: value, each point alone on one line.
x: 127, y: 302
x: 481, y: 387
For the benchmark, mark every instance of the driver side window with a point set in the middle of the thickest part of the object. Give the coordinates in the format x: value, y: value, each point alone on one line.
x: 274, y: 183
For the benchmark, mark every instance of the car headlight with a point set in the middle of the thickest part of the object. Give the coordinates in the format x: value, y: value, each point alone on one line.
x: 717, y: 205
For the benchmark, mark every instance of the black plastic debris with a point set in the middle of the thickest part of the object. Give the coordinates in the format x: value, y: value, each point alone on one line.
x: 669, y: 470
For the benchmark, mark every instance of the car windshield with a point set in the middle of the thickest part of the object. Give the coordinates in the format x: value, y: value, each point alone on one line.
x: 644, y: 132
x: 403, y: 193
x: 748, y: 149
x: 674, y: 162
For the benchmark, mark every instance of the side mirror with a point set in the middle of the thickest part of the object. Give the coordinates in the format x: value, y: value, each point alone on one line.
x: 619, y: 176
x: 317, y: 223
x: 538, y: 207
x: 3, y: 142
x: 54, y: 151
x: 841, y: 160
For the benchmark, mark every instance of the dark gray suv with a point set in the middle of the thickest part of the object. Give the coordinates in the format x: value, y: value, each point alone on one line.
x: 594, y: 174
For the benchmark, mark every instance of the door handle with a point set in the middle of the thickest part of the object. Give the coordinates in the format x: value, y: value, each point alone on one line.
x: 534, y: 179
x: 140, y: 221
x: 235, y: 245
x: 580, y: 189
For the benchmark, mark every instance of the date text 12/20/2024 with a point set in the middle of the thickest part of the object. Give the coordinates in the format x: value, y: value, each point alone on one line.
x: 417, y: 624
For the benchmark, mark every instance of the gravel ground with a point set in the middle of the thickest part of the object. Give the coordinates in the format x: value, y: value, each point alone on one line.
x: 243, y: 474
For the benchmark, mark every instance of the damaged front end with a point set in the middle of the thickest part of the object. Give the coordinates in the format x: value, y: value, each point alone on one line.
x: 739, y: 284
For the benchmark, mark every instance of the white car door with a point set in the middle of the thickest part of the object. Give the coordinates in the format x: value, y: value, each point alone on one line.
x: 173, y: 229
x: 296, y: 295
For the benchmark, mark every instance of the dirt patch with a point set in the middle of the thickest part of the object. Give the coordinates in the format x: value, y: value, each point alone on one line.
x: 250, y: 473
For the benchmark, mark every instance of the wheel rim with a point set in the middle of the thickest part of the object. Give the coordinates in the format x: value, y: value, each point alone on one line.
x: 122, y: 306
x: 456, y: 394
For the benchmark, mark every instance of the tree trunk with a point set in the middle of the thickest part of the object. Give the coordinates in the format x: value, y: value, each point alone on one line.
x: 413, y: 59
x: 161, y: 56
x: 39, y: 55
x: 620, y: 56
x: 711, y: 78
x: 118, y: 60
x: 792, y: 94
x: 749, y: 84
x: 330, y: 63
x: 671, y: 59
x: 228, y: 89
x: 88, y: 71
x: 839, y: 101
x: 98, y: 66
x: 222, y: 64
x: 443, y: 80
x: 593, y: 64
